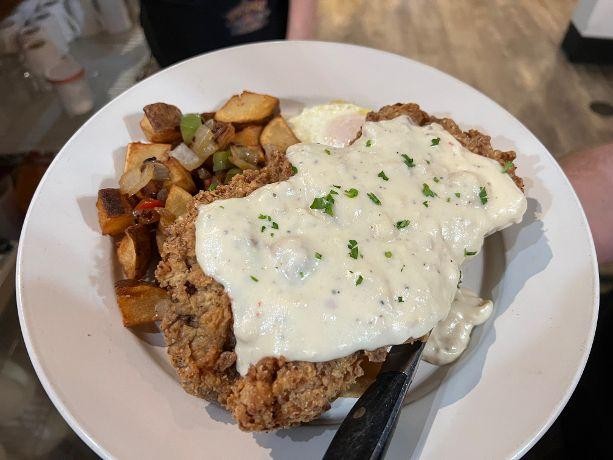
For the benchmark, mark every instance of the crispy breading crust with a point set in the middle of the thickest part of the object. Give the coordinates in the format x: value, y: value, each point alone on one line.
x: 197, y: 326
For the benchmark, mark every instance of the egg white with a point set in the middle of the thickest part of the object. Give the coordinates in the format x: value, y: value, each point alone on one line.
x: 335, y: 124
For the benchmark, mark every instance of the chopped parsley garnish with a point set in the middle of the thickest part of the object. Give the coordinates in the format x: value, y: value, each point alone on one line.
x: 436, y: 179
x: 254, y: 278
x: 318, y: 256
x: 448, y: 199
x: 435, y: 141
x: 400, y: 299
x: 402, y: 224
x: 269, y: 219
x: 301, y: 274
x: 457, y: 194
x: 459, y: 280
x: 324, y: 203
x: 374, y: 198
x: 402, y: 269
x: 368, y: 143
x: 508, y: 165
x: 469, y: 253
x: 336, y: 186
x: 212, y: 187
x: 333, y: 192
x: 483, y: 195
x: 407, y: 160
x: 425, y: 203
x: 427, y: 191
x: 388, y: 254
x: 359, y: 280
x: 353, y: 249
x: 351, y: 193
x: 383, y: 176
x: 294, y: 170
x: 327, y: 151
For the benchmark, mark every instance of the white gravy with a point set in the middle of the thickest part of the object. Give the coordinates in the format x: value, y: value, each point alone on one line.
x: 383, y: 268
x: 450, y: 337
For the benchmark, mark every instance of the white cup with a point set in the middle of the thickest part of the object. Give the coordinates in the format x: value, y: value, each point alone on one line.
x: 40, y: 56
x: 68, y: 79
x: 70, y: 28
x: 86, y: 15
x: 115, y: 16
x: 52, y: 30
x: 9, y: 30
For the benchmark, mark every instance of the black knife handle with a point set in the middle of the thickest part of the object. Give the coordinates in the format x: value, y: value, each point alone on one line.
x: 365, y: 431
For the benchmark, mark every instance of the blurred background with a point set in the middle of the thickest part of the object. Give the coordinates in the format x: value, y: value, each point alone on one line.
x: 548, y: 62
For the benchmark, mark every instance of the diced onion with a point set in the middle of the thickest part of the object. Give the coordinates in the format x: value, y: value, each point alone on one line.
x: 243, y: 157
x: 186, y: 156
x: 160, y: 171
x: 204, y: 144
x: 136, y: 178
x: 223, y: 133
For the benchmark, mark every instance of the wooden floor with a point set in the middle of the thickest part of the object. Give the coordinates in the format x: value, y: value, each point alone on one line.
x: 508, y: 49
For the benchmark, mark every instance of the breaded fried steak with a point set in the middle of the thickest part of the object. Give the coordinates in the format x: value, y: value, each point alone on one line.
x: 198, y: 325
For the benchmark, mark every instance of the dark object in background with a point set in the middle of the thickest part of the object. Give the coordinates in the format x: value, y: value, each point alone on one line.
x: 585, y: 49
x: 180, y: 29
x: 5, y: 246
x: 602, y: 108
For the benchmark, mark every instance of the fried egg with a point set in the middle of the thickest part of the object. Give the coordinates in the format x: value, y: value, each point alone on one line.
x: 335, y: 124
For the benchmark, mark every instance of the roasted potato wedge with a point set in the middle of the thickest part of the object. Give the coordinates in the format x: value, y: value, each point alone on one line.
x: 249, y: 135
x: 177, y: 201
x: 137, y: 152
x: 134, y: 251
x: 278, y: 133
x: 114, y: 211
x: 180, y: 176
x: 248, y: 108
x: 163, y: 117
x: 161, y: 123
x: 170, y: 137
x: 137, y: 301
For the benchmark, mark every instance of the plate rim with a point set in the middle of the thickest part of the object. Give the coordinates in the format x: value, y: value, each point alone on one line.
x: 90, y: 440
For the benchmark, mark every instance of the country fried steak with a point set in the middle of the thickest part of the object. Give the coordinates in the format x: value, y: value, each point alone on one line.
x: 197, y: 326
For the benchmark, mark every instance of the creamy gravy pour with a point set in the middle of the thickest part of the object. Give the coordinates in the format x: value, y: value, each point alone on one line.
x: 451, y: 336
x: 384, y: 267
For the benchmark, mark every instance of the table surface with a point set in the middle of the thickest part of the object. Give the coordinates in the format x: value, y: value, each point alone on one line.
x: 34, y: 120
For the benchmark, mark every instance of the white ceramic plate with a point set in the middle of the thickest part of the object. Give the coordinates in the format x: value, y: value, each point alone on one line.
x: 117, y: 390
